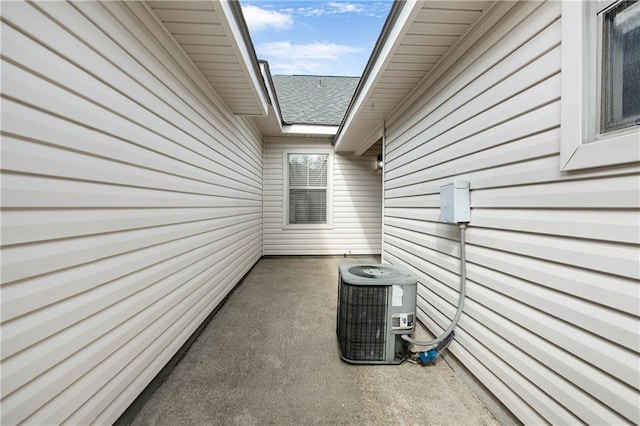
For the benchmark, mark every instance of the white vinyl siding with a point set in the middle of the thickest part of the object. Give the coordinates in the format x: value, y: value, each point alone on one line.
x: 131, y: 205
x: 550, y: 324
x: 356, y: 203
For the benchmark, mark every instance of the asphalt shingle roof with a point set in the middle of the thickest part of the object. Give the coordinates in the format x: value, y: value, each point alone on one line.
x: 308, y: 99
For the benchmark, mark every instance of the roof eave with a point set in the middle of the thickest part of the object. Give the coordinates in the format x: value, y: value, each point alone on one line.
x: 271, y: 90
x: 401, y: 14
x: 243, y: 46
x: 272, y: 123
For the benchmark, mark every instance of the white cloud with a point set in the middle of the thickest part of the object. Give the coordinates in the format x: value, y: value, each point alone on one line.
x: 312, y: 58
x: 259, y: 19
x: 301, y: 68
x: 333, y: 8
x: 316, y: 50
x: 345, y: 7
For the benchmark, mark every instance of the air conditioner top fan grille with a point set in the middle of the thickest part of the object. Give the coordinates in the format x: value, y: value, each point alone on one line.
x: 375, y: 275
x: 374, y: 271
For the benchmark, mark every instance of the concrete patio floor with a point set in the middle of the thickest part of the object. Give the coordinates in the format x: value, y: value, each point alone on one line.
x: 269, y: 356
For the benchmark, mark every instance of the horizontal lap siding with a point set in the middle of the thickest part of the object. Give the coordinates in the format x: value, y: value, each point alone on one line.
x: 357, y: 205
x: 131, y: 205
x: 551, y: 320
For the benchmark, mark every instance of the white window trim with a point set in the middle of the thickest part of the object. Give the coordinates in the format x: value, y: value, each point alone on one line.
x: 580, y: 147
x: 285, y: 188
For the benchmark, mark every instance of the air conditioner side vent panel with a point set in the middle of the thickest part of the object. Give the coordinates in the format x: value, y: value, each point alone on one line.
x: 363, y: 319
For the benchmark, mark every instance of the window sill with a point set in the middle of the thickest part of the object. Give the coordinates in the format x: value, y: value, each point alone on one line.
x: 610, y: 150
x: 308, y: 226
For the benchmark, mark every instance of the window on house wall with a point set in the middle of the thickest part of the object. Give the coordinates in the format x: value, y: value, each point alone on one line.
x: 308, y: 189
x: 600, y: 123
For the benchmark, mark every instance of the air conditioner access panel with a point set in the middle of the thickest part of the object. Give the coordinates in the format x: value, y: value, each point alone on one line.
x: 376, y: 304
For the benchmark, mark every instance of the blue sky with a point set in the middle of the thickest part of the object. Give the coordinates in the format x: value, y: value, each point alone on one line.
x: 315, y: 37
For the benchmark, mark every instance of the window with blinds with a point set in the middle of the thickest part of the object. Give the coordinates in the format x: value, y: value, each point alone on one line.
x: 308, y: 184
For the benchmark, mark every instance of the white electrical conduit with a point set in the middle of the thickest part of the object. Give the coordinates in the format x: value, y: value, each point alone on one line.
x: 463, y: 289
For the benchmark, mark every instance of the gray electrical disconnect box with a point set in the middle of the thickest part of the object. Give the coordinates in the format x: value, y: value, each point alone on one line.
x: 454, y: 202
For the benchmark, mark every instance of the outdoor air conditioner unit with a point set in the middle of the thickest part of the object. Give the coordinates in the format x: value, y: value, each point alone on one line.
x: 376, y: 305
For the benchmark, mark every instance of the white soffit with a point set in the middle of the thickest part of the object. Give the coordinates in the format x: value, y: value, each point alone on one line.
x: 422, y: 34
x: 211, y: 36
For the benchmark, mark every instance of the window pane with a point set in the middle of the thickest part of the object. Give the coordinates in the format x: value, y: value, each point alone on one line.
x: 317, y: 170
x: 307, y: 170
x: 297, y: 170
x: 307, y: 206
x: 621, y: 66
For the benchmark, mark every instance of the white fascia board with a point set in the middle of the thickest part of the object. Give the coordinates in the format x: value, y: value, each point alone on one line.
x: 408, y: 13
x: 274, y: 110
x: 242, y: 50
x: 309, y: 130
x: 272, y: 94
